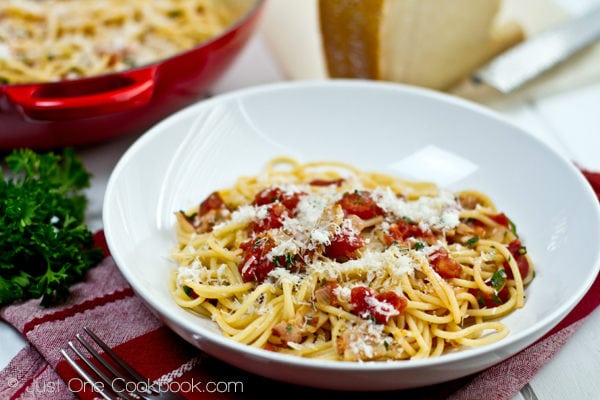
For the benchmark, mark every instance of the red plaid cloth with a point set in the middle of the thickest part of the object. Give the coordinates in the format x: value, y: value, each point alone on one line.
x: 106, y: 304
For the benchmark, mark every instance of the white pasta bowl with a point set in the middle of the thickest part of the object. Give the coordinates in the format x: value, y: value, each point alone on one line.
x: 408, y: 132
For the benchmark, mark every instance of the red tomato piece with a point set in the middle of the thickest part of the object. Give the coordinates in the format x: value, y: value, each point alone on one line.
x: 402, y: 230
x: 325, y: 182
x: 398, y: 303
x: 255, y: 265
x: 273, y: 220
x: 444, y: 265
x: 358, y: 298
x: 518, y: 251
x: 214, y: 201
x: 275, y: 194
x: 361, y: 204
x: 501, y: 219
x: 380, y: 307
x: 343, y: 245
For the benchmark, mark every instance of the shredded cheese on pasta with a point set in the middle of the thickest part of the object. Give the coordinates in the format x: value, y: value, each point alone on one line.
x: 323, y: 260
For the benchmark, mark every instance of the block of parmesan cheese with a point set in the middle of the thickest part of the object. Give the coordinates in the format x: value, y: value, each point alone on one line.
x: 431, y: 43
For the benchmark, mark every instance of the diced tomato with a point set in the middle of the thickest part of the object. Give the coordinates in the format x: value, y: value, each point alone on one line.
x: 270, y: 347
x: 343, y: 245
x: 361, y: 204
x: 402, y: 230
x: 214, y: 201
x: 518, y: 252
x: 501, y: 219
x: 399, y: 303
x: 358, y: 298
x: 255, y: 265
x: 380, y: 307
x: 274, y: 194
x: 444, y: 265
x: 325, y: 182
x: 277, y: 212
x: 490, y: 300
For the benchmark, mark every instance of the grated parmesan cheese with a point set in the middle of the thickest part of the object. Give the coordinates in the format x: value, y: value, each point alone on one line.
x: 280, y: 274
x: 441, y: 212
x: 392, y: 259
x: 242, y: 216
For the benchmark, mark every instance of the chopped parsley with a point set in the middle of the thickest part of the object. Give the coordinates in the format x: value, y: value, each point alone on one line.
x: 189, y: 292
x: 418, y: 246
x: 497, y: 280
x: 513, y: 227
x: 472, y: 241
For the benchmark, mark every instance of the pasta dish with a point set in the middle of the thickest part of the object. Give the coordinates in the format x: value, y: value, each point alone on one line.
x: 323, y: 260
x: 51, y: 40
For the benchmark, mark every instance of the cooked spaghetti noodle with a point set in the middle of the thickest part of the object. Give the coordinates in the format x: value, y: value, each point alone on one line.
x: 50, y: 40
x: 326, y: 261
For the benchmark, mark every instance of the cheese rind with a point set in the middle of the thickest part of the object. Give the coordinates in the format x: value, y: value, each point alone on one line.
x: 430, y: 43
x: 351, y: 32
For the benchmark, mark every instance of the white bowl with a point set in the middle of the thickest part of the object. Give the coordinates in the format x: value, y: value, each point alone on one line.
x: 414, y: 133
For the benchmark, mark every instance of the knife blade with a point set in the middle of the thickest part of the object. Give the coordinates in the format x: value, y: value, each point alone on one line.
x: 540, y: 53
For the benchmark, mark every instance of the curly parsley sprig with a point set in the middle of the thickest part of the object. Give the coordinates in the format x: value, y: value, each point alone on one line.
x: 45, y: 245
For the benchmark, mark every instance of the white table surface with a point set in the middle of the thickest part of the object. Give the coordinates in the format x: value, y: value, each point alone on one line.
x: 569, y: 122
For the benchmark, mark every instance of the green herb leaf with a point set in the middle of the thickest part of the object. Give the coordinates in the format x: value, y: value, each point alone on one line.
x: 513, y: 227
x: 418, y: 246
x: 472, y: 241
x: 189, y: 292
x: 497, y: 280
x: 45, y: 246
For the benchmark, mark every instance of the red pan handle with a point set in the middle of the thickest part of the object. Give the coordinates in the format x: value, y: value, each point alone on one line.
x: 84, y: 98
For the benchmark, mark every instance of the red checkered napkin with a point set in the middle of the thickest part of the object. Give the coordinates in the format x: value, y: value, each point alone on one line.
x: 106, y: 304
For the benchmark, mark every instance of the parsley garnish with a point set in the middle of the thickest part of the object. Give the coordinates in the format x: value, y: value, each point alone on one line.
x: 45, y: 246
x: 497, y: 280
x: 513, y: 227
x: 189, y: 292
x: 418, y: 246
x: 472, y: 241
x: 289, y: 260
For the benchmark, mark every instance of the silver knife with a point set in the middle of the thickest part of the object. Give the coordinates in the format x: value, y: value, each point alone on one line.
x: 541, y: 52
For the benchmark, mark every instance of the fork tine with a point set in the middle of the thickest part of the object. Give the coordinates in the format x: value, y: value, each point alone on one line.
x: 97, y: 388
x: 97, y: 356
x: 136, y: 375
x: 87, y: 362
x: 119, y: 387
x: 103, y: 377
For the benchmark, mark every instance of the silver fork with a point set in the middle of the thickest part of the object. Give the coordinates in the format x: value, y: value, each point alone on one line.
x: 118, y: 380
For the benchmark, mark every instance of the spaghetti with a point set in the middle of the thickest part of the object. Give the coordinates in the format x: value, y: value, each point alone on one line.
x: 323, y: 260
x: 51, y: 40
